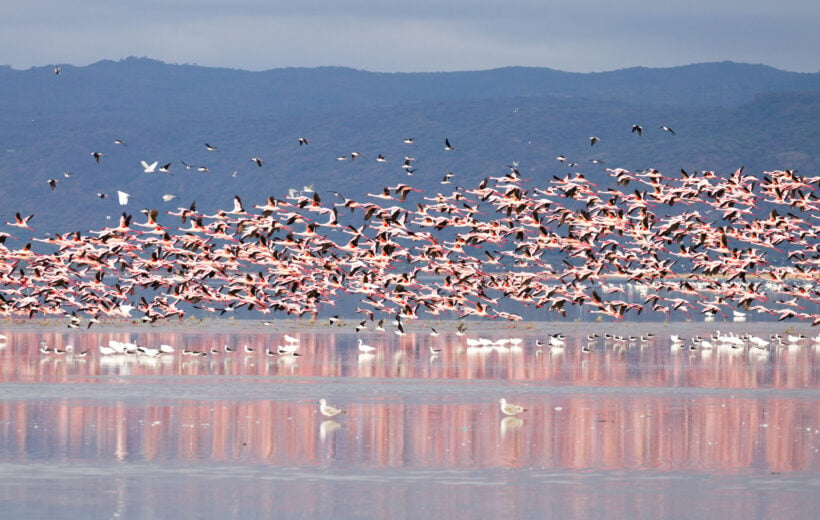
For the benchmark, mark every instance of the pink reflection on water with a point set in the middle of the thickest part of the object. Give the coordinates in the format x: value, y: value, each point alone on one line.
x: 604, y: 407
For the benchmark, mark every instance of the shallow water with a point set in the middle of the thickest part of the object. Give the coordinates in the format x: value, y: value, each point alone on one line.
x: 616, y: 428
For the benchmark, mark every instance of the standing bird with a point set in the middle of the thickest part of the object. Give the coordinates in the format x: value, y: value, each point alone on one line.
x: 509, y: 408
x: 327, y: 410
x: 637, y: 128
x: 364, y: 347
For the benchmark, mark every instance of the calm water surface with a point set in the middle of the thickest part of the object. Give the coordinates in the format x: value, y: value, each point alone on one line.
x: 632, y: 428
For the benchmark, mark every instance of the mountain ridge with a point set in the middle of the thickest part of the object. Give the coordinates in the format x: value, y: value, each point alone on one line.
x: 51, y: 123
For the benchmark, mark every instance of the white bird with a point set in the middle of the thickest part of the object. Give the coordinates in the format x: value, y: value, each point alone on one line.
x: 327, y: 410
x: 122, y: 197
x: 365, y: 348
x: 149, y: 168
x: 509, y: 408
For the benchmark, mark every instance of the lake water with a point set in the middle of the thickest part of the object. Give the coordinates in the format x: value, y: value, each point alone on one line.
x: 615, y: 429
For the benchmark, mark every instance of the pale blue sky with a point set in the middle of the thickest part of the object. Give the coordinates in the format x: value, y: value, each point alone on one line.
x: 414, y: 35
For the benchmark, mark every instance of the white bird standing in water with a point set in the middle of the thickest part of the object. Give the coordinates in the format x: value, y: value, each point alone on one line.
x: 509, y: 408
x: 363, y: 347
x: 327, y: 410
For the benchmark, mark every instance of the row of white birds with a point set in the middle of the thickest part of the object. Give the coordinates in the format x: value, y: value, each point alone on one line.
x: 554, y: 343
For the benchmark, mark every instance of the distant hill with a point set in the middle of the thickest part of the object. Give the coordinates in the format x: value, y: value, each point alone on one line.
x: 724, y: 114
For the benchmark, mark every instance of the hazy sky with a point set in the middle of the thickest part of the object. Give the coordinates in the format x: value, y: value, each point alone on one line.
x: 414, y: 35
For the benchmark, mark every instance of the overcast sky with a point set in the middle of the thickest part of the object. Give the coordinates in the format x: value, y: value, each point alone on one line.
x: 414, y: 35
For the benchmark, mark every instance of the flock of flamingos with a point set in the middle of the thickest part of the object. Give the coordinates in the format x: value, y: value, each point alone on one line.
x: 702, y: 243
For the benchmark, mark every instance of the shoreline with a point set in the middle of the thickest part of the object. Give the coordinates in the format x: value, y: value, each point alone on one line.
x: 418, y: 327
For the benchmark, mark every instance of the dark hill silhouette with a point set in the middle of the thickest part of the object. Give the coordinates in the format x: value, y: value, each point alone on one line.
x: 724, y: 114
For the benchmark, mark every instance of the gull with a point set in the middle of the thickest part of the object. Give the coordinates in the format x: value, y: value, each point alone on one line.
x: 667, y: 129
x: 447, y: 177
x: 637, y: 128
x: 149, y: 168
x: 57, y: 69
x: 327, y: 410
x: 593, y: 140
x: 122, y: 197
x: 52, y: 183
x: 210, y: 148
x: 168, y: 197
x: 448, y: 146
x: 165, y: 168
x: 96, y: 156
x: 303, y: 141
x: 509, y: 408
x: 257, y: 160
x: 409, y: 140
